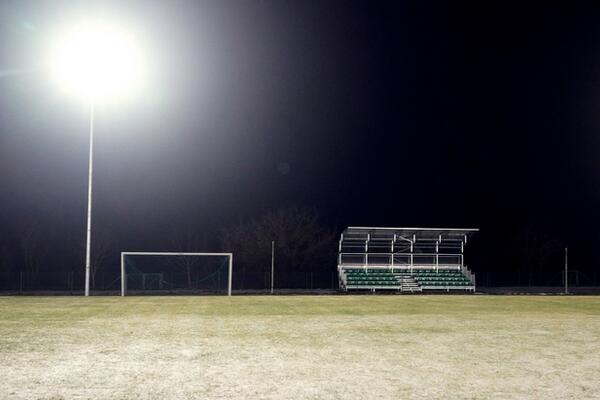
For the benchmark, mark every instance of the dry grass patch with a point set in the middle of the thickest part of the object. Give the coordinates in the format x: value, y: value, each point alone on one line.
x: 304, y: 347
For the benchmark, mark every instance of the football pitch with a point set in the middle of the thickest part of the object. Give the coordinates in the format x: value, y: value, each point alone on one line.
x: 300, y: 347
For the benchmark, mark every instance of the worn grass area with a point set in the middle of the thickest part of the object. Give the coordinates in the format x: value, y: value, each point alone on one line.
x: 319, y: 347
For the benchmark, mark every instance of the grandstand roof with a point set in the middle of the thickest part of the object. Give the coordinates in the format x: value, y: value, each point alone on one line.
x: 422, y: 233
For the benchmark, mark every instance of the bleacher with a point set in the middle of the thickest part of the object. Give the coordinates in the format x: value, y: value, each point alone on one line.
x: 404, y: 259
x: 373, y: 277
x: 450, y: 279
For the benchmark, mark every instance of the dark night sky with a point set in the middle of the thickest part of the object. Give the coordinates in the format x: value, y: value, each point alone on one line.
x: 398, y: 114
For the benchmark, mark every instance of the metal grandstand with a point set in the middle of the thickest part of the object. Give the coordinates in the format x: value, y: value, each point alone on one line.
x: 404, y: 259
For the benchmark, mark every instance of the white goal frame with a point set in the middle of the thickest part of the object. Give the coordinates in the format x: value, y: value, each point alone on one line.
x: 163, y: 253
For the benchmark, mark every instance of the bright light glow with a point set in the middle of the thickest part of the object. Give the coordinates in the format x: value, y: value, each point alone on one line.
x: 97, y: 61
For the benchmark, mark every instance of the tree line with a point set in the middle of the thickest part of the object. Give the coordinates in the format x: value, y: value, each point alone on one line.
x: 303, y: 246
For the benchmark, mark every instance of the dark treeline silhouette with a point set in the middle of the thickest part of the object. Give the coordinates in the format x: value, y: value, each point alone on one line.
x: 34, y: 255
x: 304, y: 249
x: 305, y: 254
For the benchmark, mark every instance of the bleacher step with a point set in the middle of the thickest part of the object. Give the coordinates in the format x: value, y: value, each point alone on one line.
x: 407, y: 282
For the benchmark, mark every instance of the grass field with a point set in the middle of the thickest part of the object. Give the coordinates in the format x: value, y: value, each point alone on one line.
x: 300, y: 347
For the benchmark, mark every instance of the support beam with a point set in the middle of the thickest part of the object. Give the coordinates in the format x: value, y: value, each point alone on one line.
x: 123, y: 278
x: 566, y: 270
x: 229, y: 278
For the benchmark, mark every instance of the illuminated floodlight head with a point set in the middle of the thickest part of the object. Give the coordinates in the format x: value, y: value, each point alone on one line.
x: 96, y: 60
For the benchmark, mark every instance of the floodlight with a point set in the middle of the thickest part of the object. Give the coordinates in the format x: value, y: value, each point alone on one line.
x: 96, y: 60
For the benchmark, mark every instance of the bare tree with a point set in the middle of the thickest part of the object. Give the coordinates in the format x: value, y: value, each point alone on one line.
x: 102, y: 246
x: 187, y: 241
x: 303, y: 244
x: 101, y: 249
x: 32, y: 247
x: 6, y: 259
x: 537, y: 251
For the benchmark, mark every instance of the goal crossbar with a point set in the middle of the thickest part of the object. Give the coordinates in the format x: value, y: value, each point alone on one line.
x: 166, y: 253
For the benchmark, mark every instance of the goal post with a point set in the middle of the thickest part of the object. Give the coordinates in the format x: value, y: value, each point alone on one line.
x: 124, y: 254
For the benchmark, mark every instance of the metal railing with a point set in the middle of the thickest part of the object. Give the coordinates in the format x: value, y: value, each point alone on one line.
x: 401, y: 259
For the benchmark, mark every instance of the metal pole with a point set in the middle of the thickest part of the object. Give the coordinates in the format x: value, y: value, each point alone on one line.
x: 272, y: 265
x: 566, y: 270
x: 89, y: 205
x: 123, y: 277
x: 229, y: 278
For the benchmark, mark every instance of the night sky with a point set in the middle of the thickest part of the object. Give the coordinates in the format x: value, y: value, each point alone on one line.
x: 375, y: 114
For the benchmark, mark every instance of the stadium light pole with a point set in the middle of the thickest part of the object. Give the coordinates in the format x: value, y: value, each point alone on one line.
x: 97, y: 61
x: 88, y: 237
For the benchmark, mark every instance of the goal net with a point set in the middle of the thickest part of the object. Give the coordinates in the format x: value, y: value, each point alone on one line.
x: 165, y: 272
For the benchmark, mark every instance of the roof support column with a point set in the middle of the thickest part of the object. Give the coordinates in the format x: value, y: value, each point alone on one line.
x: 367, y: 250
x: 392, y: 255
x: 412, y: 251
x: 437, y: 255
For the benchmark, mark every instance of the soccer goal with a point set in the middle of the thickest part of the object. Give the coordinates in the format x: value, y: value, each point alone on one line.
x: 169, y: 272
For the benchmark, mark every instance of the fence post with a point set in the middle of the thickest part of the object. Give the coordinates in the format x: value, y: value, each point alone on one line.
x: 566, y: 270
x: 20, y: 282
x: 272, y: 266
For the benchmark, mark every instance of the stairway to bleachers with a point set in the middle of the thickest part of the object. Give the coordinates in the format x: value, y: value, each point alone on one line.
x: 408, y: 283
